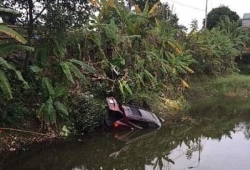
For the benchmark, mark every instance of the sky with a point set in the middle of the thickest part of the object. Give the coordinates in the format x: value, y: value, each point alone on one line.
x: 187, y: 10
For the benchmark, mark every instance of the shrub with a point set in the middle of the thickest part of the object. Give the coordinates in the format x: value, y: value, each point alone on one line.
x: 87, y: 113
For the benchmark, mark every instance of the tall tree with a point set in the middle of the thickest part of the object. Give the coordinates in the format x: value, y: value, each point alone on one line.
x: 166, y: 14
x: 194, y: 24
x: 35, y: 12
x: 216, y: 14
x: 53, y: 13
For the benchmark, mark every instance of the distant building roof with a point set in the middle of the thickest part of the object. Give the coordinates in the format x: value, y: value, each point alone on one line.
x: 246, y: 16
x: 246, y: 20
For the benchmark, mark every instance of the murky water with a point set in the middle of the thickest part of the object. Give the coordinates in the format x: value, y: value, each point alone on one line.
x: 220, y: 141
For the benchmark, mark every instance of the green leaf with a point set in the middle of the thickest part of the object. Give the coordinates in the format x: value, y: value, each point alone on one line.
x: 20, y: 77
x: 111, y: 31
x: 80, y: 51
x: 47, y: 87
x: 7, y: 48
x: 43, y: 56
x: 130, y: 37
x: 62, y: 108
x: 60, y: 49
x: 67, y: 72
x: 53, y: 116
x: 140, y: 76
x: 150, y: 76
x: 5, y: 86
x: 39, y: 113
x: 12, y: 33
x: 60, y: 91
x: 84, y: 65
x: 35, y: 68
x: 97, y: 39
x: 51, y: 110
x: 127, y: 88
x: 5, y: 64
x: 77, y: 72
x: 146, y: 8
x: 118, y: 61
x: 121, y: 87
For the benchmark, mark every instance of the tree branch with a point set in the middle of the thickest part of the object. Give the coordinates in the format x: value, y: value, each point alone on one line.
x: 38, y: 15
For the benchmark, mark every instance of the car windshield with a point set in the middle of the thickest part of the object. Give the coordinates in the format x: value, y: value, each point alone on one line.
x: 131, y: 111
x: 147, y: 115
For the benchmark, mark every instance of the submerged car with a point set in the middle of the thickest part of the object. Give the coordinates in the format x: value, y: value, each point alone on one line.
x: 125, y: 116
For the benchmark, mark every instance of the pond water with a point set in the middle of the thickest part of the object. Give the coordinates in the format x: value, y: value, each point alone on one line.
x: 219, y: 141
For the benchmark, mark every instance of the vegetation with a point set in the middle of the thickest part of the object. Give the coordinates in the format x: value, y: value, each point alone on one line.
x: 71, y: 13
x: 5, y: 48
x: 216, y: 50
x: 211, y: 87
x: 141, y: 3
x: 75, y: 58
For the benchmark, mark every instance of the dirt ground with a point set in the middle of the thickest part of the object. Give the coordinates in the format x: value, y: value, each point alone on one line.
x: 13, y: 139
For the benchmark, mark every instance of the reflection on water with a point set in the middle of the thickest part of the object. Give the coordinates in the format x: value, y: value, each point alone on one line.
x: 220, y: 141
x: 225, y: 154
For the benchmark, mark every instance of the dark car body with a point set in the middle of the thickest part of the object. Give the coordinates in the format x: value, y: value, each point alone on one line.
x: 125, y: 116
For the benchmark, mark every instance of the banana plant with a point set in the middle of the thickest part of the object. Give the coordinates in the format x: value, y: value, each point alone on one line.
x: 57, y: 74
x: 235, y: 31
x: 214, y: 51
x: 141, y: 51
x: 52, y: 106
x: 6, y: 66
x: 4, y: 83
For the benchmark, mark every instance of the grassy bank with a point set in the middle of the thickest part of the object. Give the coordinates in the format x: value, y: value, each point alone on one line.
x: 210, y: 87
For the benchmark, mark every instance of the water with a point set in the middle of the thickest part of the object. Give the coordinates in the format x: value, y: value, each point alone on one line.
x: 217, y: 140
x: 228, y: 153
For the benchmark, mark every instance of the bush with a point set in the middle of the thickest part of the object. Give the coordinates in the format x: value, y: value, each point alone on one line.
x: 14, y: 115
x: 88, y: 113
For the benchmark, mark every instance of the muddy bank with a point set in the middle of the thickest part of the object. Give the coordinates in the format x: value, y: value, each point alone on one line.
x: 14, y: 139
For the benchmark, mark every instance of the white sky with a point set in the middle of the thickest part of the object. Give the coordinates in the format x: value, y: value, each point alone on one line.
x: 187, y: 10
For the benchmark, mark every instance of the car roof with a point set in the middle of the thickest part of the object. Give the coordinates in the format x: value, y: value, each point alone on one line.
x: 134, y: 113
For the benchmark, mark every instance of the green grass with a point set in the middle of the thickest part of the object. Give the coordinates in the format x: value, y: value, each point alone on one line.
x: 229, y: 86
x: 235, y: 85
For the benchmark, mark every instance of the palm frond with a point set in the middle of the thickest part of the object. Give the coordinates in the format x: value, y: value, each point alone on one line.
x: 5, y: 86
x: 5, y: 29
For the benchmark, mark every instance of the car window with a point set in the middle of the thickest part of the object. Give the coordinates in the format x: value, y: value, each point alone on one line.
x: 131, y: 111
x: 135, y: 111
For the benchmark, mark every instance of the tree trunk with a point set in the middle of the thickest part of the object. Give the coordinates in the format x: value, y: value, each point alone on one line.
x: 30, y: 31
